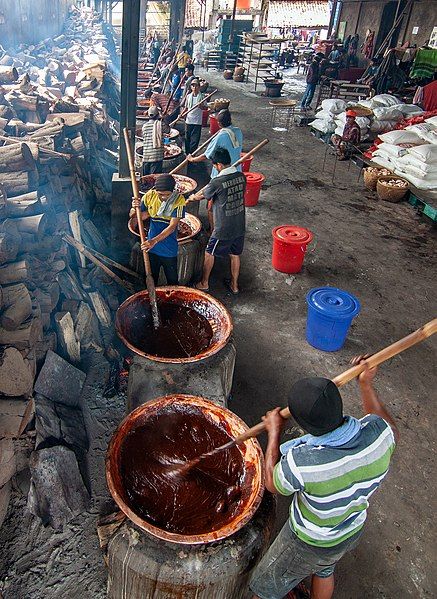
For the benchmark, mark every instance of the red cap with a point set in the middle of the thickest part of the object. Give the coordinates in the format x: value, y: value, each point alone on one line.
x: 351, y: 113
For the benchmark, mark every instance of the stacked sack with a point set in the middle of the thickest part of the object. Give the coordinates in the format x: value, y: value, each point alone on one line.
x: 411, y: 153
x: 325, y: 118
x: 387, y: 112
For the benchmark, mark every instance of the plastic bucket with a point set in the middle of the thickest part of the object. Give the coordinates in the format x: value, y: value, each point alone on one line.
x: 330, y: 314
x: 289, y: 247
x: 205, y: 118
x: 213, y: 124
x: 254, y: 182
x: 245, y: 166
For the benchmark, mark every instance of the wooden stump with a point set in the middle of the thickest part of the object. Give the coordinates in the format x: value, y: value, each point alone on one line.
x: 16, y: 307
x: 16, y: 157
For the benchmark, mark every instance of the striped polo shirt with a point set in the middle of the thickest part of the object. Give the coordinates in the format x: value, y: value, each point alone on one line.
x: 331, y: 486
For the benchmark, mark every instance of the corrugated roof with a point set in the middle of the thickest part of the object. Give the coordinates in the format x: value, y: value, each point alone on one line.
x: 306, y: 14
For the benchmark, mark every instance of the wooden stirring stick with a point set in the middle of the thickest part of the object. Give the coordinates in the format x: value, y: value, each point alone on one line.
x: 388, y: 352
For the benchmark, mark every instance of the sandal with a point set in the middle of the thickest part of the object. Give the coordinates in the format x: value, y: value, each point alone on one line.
x: 227, y: 283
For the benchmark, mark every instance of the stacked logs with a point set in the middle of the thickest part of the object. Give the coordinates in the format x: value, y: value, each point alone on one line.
x: 56, y: 128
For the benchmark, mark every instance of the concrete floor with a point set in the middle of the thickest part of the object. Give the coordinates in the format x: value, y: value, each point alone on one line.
x: 385, y: 255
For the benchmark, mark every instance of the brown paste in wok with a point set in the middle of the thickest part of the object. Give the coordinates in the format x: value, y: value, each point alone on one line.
x: 198, y: 501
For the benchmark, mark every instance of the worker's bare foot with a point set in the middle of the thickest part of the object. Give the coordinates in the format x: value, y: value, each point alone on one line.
x: 201, y: 286
x: 231, y: 287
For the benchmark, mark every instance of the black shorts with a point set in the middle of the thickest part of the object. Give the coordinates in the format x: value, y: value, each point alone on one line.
x: 223, y: 247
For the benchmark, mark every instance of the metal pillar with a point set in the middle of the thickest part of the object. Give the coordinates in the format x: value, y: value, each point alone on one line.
x: 129, y: 75
x: 177, y: 19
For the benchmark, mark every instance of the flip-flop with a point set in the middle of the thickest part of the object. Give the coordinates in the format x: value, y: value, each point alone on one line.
x: 196, y: 286
x: 227, y: 283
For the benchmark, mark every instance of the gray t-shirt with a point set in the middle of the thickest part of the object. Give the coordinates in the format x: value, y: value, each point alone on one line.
x: 227, y: 193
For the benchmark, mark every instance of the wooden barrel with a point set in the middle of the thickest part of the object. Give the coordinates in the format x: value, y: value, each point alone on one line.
x: 143, y: 567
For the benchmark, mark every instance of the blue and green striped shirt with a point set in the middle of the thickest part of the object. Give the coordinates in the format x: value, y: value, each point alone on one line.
x: 331, y: 486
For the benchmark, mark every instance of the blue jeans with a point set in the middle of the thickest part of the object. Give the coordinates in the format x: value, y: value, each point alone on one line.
x: 308, y: 96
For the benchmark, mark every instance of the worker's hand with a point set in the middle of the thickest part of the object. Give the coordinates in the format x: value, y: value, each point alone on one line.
x: 192, y: 198
x: 368, y: 374
x: 148, y: 245
x: 190, y: 158
x: 136, y: 203
x: 131, y: 212
x: 274, y: 421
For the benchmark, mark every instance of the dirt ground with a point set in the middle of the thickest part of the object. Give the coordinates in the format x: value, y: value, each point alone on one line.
x: 385, y: 255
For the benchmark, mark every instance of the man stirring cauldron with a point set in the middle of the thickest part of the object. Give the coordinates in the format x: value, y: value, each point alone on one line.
x: 226, y: 191
x: 165, y: 206
x: 330, y: 473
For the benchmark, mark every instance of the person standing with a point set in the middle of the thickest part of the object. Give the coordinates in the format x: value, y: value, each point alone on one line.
x: 226, y: 192
x: 193, y: 120
x: 189, y: 76
x: 330, y: 473
x: 182, y: 60
x: 229, y: 137
x: 312, y: 80
x: 165, y: 206
x: 153, y: 142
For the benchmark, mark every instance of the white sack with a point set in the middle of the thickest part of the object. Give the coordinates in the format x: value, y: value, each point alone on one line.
x: 324, y: 126
x: 384, y: 100
x: 388, y: 113
x: 400, y: 136
x: 382, y: 126
x: 334, y: 105
x: 426, y: 153
x: 392, y: 149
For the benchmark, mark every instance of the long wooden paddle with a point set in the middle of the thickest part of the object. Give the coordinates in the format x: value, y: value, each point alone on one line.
x: 182, y: 116
x: 196, y: 153
x: 150, y: 284
x: 383, y: 355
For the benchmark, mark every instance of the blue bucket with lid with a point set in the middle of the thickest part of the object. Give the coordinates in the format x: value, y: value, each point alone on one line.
x: 330, y: 314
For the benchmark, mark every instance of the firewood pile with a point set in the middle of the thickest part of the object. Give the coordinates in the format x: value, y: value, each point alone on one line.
x: 56, y: 102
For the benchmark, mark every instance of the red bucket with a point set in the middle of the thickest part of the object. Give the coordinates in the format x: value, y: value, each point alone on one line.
x: 213, y: 124
x: 289, y: 247
x: 245, y: 166
x: 205, y: 118
x: 254, y: 182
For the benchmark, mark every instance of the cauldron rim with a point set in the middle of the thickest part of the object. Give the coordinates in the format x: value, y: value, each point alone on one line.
x: 168, y: 290
x: 190, y: 219
x: 155, y: 406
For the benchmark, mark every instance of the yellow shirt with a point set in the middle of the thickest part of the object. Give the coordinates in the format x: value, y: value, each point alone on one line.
x: 183, y: 60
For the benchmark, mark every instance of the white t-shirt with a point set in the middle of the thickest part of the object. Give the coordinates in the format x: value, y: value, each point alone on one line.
x: 195, y: 116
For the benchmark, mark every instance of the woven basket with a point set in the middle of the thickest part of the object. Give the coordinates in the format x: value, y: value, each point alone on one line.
x: 238, y: 71
x: 371, y: 177
x: 221, y: 105
x: 389, y: 193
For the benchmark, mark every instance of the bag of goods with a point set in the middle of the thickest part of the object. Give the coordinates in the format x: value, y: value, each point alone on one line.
x: 432, y: 120
x: 388, y: 113
x: 384, y: 100
x: 425, y: 131
x: 409, y: 109
x: 377, y: 126
x: 400, y: 136
x: 325, y: 115
x: 334, y: 105
x: 391, y: 150
x: 417, y: 168
x: 426, y: 153
x: 391, y: 188
x: 384, y: 162
x: 323, y: 125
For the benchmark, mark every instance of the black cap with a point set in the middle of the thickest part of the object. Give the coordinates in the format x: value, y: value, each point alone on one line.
x: 165, y: 182
x: 316, y: 405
